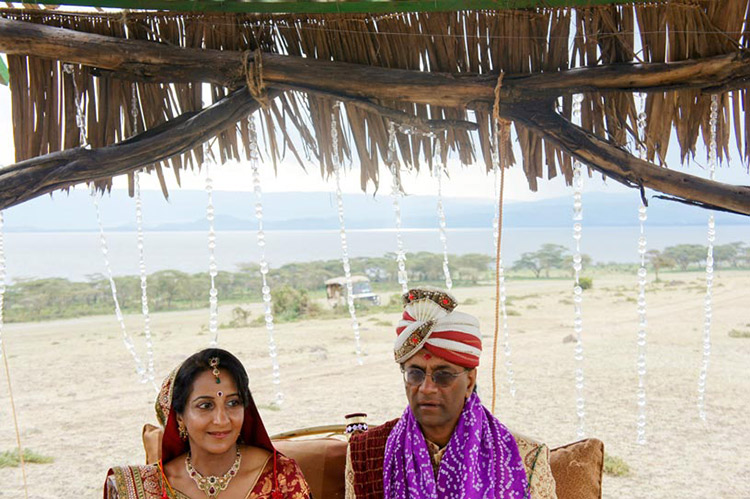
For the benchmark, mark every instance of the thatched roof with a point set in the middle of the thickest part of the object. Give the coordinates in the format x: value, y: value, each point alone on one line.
x: 466, y: 44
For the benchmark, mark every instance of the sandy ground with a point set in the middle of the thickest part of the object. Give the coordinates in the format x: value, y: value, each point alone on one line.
x: 79, y: 400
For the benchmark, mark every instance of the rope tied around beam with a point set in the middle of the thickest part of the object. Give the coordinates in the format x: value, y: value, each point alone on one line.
x: 502, y: 123
x: 252, y: 65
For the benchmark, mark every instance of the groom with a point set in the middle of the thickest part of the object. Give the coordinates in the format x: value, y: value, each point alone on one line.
x: 445, y: 444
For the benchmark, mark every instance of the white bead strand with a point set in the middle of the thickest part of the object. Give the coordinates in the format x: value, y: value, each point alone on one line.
x: 80, y: 115
x: 711, y: 237
x: 141, y: 253
x: 126, y: 338
x: 577, y: 290
x: 438, y: 173
x: 144, y: 283
x: 342, y: 232
x: 642, y: 322
x: 396, y: 194
x: 265, y: 289
x: 213, y: 293
x: 510, y: 375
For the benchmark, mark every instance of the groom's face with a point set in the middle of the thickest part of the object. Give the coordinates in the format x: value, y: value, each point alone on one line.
x: 438, y: 400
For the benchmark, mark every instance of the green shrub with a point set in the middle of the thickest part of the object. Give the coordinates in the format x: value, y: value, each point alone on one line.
x: 736, y: 333
x: 586, y: 282
x: 615, y: 466
x: 9, y: 458
x: 240, y: 318
x: 290, y: 304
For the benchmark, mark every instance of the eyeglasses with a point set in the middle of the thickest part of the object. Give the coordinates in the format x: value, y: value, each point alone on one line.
x: 442, y: 377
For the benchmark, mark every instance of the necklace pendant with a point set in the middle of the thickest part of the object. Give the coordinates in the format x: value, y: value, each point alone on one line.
x: 211, y: 485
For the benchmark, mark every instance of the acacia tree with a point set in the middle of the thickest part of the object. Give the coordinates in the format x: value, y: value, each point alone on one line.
x: 586, y: 261
x: 686, y: 254
x: 658, y: 260
x: 730, y: 254
x: 549, y: 256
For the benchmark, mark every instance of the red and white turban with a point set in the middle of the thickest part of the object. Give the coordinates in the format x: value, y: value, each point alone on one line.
x: 429, y: 322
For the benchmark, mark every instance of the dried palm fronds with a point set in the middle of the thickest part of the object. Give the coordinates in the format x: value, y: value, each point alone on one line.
x: 459, y: 43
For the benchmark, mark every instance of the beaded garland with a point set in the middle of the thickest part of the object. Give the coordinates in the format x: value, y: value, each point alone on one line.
x: 212, y: 485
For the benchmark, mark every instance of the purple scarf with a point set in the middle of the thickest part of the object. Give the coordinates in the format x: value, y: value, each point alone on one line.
x: 481, y: 461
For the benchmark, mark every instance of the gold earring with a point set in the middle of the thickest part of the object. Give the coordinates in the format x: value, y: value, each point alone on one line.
x: 182, y: 430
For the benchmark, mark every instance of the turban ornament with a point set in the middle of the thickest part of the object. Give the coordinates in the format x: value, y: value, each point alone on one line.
x: 430, y: 322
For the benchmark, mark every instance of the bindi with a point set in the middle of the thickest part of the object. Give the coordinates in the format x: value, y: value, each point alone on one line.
x: 426, y: 356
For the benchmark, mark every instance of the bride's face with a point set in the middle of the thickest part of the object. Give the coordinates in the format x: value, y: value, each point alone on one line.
x: 213, y: 414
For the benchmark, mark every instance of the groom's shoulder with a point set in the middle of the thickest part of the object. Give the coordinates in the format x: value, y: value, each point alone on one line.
x: 371, y: 443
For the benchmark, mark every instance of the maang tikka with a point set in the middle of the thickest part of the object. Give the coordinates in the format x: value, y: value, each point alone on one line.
x: 214, y: 362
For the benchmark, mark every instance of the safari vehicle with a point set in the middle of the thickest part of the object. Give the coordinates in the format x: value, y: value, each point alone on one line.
x: 361, y: 291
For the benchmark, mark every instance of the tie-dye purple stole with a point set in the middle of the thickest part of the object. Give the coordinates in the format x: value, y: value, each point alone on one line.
x: 481, y: 461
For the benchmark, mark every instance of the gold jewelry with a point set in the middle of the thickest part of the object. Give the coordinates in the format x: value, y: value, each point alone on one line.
x: 442, y: 298
x: 214, y: 362
x: 212, y: 485
x: 183, y: 431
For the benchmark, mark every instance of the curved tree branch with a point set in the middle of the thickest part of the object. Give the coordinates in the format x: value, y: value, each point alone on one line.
x: 622, y: 166
x: 32, y: 178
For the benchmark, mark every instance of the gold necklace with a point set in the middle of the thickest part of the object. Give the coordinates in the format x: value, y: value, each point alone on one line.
x: 212, y: 485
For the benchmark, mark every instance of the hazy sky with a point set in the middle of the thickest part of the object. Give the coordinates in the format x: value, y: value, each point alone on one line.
x: 464, y: 182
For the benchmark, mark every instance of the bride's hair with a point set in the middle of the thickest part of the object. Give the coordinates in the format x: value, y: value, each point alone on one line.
x: 200, y: 362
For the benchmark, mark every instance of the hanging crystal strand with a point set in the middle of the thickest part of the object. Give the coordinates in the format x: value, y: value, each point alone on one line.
x: 126, y: 338
x: 707, y: 301
x: 396, y: 194
x: 642, y: 323
x: 144, y: 284
x: 213, y: 294
x: 438, y: 173
x: 80, y: 115
x: 344, y: 245
x: 577, y: 290
x: 495, y: 232
x: 141, y: 253
x: 266, y: 289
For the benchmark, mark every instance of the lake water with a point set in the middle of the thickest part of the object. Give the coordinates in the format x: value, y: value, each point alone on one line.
x: 75, y: 255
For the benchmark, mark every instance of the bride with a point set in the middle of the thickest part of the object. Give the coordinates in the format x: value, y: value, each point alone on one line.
x: 214, y: 441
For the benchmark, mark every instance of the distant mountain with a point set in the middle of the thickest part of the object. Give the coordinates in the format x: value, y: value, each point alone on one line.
x: 185, y: 211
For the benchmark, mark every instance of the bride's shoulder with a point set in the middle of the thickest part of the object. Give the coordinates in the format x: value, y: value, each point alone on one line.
x: 254, y: 459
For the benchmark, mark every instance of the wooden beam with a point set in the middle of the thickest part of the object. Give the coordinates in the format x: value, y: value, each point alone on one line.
x: 622, y: 166
x: 150, y: 61
x: 32, y: 178
x: 334, y: 6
